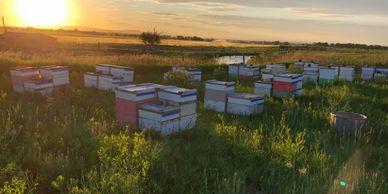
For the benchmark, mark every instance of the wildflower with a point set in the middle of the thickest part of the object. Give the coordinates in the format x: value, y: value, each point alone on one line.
x: 289, y: 165
x: 303, y: 171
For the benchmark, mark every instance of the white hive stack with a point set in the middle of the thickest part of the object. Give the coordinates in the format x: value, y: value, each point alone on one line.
x: 299, y: 84
x: 277, y: 68
x: 164, y: 119
x: 310, y: 74
x: 91, y: 80
x: 103, y: 68
x: 108, y: 82
x: 245, y: 104
x: 299, y: 65
x: 367, y: 73
x: 43, y: 87
x: 233, y: 70
x: 216, y: 93
x: 59, y: 74
x: 126, y: 73
x: 266, y: 75
x: 186, y: 100
x: 263, y: 88
x: 19, y: 75
x: 195, y: 73
x: 381, y: 73
x: 347, y: 73
x: 249, y: 72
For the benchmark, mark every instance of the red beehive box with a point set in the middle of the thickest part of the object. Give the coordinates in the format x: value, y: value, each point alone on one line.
x: 284, y: 86
x: 128, y: 100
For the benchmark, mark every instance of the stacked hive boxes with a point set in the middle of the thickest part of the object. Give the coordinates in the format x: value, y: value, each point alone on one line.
x: 20, y: 75
x: 108, y: 77
x: 310, y: 73
x: 347, y: 73
x: 164, y: 119
x: 245, y: 104
x: 216, y: 93
x: 59, y: 74
x: 299, y: 65
x: 108, y: 82
x: 266, y: 75
x: 299, y: 84
x: 185, y: 100
x: 129, y: 99
x: 367, y: 73
x: 233, y: 70
x: 249, y: 72
x: 91, y: 79
x: 195, y: 73
x: 327, y: 75
x: 263, y: 88
x: 277, y: 68
x: 41, y: 86
x: 285, y: 85
x: 381, y: 73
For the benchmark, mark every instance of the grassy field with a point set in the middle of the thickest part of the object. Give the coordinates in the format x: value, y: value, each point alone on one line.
x: 70, y: 143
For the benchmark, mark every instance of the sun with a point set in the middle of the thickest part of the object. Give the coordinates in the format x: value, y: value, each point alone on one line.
x: 43, y: 12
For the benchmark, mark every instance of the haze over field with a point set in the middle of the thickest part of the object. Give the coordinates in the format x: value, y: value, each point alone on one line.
x: 286, y: 20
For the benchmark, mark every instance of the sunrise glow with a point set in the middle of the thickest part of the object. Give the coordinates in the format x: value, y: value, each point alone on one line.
x: 43, y: 12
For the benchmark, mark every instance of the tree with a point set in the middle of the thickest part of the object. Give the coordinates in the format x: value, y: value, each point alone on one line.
x: 151, y: 38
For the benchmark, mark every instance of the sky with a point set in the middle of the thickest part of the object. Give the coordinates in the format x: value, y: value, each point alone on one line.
x: 356, y: 21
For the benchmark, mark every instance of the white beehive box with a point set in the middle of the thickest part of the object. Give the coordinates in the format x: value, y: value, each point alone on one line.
x: 367, y: 73
x: 188, y: 122
x: 277, y: 68
x: 59, y: 74
x: 249, y: 71
x: 108, y: 82
x: 233, y: 69
x: 263, y: 88
x: 186, y: 99
x: 126, y: 73
x: 163, y: 119
x: 195, y: 73
x: 347, y: 73
x: 311, y: 64
x: 91, y: 80
x: 267, y: 76
x: 327, y: 73
x: 19, y: 75
x: 245, y: 104
x: 310, y: 74
x: 299, y: 64
x: 44, y: 87
x: 103, y: 68
x: 216, y: 94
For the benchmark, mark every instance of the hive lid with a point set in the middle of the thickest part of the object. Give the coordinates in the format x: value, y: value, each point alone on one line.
x: 247, y: 96
x: 26, y: 69
x: 264, y: 82
x: 289, y: 76
x: 55, y: 68
x: 120, y: 67
x: 222, y: 83
x: 180, y: 91
x: 135, y: 89
x: 40, y: 81
x: 92, y: 73
x: 161, y: 109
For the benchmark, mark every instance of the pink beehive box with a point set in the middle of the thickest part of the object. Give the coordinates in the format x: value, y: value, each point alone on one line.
x: 19, y: 75
x: 128, y: 100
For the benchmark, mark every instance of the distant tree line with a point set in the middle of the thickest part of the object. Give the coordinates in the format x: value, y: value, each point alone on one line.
x: 193, y: 38
x: 349, y: 45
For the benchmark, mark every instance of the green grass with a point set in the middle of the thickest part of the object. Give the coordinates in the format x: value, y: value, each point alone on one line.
x: 70, y: 143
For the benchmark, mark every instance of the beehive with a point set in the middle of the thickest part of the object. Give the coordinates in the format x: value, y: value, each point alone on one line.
x: 195, y: 73
x: 216, y: 94
x: 163, y: 119
x: 59, y: 74
x: 249, y: 72
x: 299, y: 84
x: 310, y: 74
x: 128, y: 100
x: 41, y: 86
x: 299, y: 65
x: 327, y: 75
x: 263, y: 88
x: 103, y: 68
x: 19, y: 75
x: 91, y: 80
x: 311, y: 64
x: 277, y: 68
x: 347, y: 73
x: 267, y: 76
x: 245, y: 104
x: 108, y: 82
x: 233, y: 70
x: 285, y: 85
x: 367, y: 73
x: 126, y: 73
x: 186, y: 100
